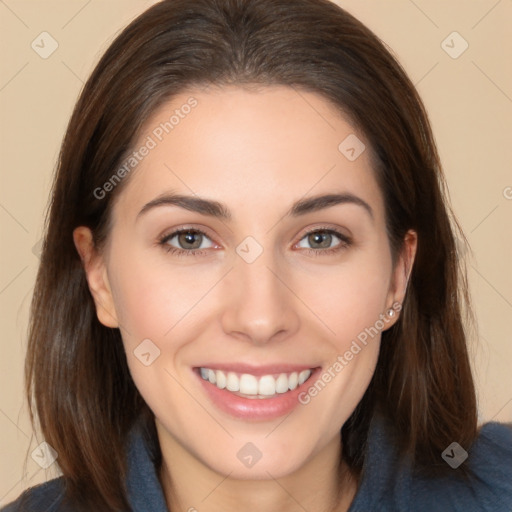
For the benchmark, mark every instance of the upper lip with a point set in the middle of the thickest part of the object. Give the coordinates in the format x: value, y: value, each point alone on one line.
x: 257, y: 370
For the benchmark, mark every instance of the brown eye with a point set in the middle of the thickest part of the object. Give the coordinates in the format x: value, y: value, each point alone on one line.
x: 190, y: 240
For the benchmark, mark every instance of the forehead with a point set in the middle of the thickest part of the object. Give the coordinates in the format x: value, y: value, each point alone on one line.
x: 248, y: 147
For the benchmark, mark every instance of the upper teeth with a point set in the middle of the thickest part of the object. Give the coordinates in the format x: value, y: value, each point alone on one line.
x: 248, y: 384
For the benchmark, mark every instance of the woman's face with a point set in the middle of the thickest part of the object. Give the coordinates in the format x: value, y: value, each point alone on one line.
x: 268, y: 285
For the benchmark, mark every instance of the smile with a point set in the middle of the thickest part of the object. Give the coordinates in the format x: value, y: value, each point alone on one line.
x: 250, y: 386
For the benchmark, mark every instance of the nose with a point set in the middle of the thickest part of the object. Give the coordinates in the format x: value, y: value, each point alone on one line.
x: 260, y: 304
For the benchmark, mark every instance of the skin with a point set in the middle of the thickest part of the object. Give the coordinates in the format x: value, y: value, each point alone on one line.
x: 257, y: 152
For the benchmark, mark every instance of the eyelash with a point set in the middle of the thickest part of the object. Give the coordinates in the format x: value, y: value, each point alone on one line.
x: 345, y: 242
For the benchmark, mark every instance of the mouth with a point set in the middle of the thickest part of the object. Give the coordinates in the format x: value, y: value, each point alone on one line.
x: 255, y: 393
x: 252, y: 386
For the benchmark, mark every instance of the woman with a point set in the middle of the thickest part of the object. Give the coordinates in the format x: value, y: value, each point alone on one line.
x: 249, y: 293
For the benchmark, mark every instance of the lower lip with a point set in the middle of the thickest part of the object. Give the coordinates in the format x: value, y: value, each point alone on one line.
x: 255, y: 408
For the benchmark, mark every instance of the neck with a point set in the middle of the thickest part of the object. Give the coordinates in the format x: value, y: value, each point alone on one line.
x: 323, y: 484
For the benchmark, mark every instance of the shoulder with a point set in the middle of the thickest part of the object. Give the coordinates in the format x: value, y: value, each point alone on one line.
x: 47, y: 497
x: 490, y: 459
x: 392, y: 485
x: 488, y: 485
x: 142, y: 484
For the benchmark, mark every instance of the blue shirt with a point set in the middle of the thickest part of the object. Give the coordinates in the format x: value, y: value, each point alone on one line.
x: 386, y: 484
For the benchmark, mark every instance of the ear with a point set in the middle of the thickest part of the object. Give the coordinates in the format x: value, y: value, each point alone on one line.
x: 401, y: 274
x: 96, y: 274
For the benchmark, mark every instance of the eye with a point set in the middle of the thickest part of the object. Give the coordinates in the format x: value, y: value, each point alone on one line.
x: 321, y: 241
x: 192, y: 242
x: 186, y: 241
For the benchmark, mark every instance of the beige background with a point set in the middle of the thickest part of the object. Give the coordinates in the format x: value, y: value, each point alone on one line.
x: 469, y: 100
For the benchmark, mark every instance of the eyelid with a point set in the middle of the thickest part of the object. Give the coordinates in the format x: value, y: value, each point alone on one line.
x: 170, y: 233
x: 325, y: 227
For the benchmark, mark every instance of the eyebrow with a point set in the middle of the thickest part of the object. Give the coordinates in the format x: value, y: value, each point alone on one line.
x: 219, y: 210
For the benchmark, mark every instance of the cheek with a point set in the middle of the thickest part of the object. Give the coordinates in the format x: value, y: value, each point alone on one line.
x: 152, y: 297
x: 350, y: 305
x: 349, y: 298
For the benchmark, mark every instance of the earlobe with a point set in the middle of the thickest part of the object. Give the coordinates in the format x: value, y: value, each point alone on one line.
x: 96, y: 275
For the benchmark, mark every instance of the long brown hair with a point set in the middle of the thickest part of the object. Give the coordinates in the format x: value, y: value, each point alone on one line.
x: 76, y: 371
